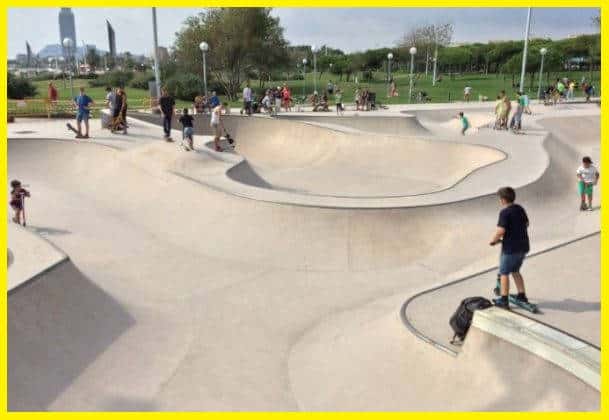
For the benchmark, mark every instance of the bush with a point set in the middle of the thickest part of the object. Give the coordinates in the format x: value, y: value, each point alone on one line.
x: 113, y: 78
x: 140, y: 81
x: 19, y: 87
x: 184, y: 86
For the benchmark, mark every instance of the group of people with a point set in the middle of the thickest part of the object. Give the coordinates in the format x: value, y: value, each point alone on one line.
x: 503, y: 109
x: 116, y: 101
x: 564, y: 90
x: 166, y: 106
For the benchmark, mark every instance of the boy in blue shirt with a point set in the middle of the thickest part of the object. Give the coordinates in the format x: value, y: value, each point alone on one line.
x: 83, y: 103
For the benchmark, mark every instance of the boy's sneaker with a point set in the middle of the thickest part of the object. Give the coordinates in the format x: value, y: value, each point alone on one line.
x: 583, y: 207
x: 502, y: 302
x: 590, y: 208
x: 522, y: 298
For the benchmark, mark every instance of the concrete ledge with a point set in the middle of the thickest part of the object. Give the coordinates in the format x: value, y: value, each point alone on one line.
x: 575, y: 356
x: 31, y: 255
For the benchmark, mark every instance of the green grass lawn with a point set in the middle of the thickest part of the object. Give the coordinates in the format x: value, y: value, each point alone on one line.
x: 450, y: 89
x: 135, y: 97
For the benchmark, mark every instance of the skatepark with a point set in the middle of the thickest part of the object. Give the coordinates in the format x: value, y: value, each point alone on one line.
x: 312, y: 268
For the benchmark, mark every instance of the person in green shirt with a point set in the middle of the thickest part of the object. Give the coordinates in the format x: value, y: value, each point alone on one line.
x: 464, y: 123
x: 338, y: 97
x: 560, y: 87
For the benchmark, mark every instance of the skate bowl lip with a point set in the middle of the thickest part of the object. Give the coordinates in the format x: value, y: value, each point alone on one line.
x: 461, y: 192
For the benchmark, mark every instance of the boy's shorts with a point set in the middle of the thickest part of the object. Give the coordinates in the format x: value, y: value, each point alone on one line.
x: 187, y: 132
x: 510, y: 263
x: 216, y: 129
x: 584, y: 188
x: 82, y: 116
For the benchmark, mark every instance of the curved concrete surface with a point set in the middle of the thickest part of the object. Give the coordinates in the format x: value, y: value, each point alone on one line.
x: 569, y: 304
x: 317, y: 161
x: 365, y: 121
x: 317, y: 167
x: 365, y: 355
x: 204, y: 300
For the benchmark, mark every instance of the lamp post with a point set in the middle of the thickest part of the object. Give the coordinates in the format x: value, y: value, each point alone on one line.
x: 524, y: 51
x: 315, y: 50
x: 155, y: 53
x: 204, y: 48
x: 543, y: 52
x: 413, y: 51
x: 389, y: 58
x: 68, y: 43
x: 304, y: 77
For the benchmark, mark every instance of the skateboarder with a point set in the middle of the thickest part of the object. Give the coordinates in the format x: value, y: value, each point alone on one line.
x: 216, y: 124
x: 512, y: 233
x: 587, y: 177
x: 18, y: 193
x: 187, y: 130
x: 82, y: 103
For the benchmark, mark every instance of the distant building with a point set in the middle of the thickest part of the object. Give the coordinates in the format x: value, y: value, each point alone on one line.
x: 67, y: 26
x: 111, y: 40
x: 162, y: 54
x: 56, y: 50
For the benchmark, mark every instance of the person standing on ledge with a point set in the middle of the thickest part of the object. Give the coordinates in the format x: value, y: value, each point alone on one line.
x: 166, y: 106
x: 512, y: 232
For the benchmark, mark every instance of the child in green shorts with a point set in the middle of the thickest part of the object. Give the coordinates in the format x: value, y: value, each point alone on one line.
x: 587, y: 176
x: 464, y: 123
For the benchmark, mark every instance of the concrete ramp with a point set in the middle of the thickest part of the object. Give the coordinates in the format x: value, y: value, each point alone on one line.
x: 58, y: 324
x: 403, y: 125
x: 313, y: 160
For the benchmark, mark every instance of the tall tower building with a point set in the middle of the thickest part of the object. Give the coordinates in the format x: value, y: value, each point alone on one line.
x: 111, y: 40
x: 67, y: 27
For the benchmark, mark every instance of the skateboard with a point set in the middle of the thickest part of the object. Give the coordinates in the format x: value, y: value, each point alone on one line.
x: 231, y: 141
x: 513, y: 299
x: 72, y: 129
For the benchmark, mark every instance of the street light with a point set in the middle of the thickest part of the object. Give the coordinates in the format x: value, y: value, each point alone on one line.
x: 413, y: 51
x: 543, y: 52
x: 389, y: 58
x: 204, y: 48
x: 524, y: 51
x: 68, y: 43
x: 315, y: 50
x: 304, y: 76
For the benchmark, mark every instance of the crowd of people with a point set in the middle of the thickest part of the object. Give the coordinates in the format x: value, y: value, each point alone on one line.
x: 564, y: 90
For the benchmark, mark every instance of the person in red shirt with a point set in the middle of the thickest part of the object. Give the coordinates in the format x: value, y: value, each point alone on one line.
x: 287, y: 98
x: 52, y: 96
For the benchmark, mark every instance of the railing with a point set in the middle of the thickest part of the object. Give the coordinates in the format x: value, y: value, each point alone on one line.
x: 63, y: 108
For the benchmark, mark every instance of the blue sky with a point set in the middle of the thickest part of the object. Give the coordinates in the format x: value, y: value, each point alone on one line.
x: 348, y: 29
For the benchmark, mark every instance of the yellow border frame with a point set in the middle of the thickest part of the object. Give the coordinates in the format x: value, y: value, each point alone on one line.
x: 321, y: 3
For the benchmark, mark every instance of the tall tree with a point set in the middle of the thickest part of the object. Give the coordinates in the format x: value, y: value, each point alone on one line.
x: 240, y: 40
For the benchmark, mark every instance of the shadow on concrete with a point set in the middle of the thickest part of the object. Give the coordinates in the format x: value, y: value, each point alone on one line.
x: 570, y: 305
x: 49, y: 231
x: 58, y: 324
x: 124, y: 404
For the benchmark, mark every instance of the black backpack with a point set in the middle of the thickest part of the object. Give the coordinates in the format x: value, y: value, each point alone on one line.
x: 462, y: 318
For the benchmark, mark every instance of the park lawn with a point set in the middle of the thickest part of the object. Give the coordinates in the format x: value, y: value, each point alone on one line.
x: 135, y: 97
x: 450, y: 89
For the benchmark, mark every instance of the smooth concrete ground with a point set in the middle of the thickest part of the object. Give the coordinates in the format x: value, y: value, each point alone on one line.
x: 179, y: 296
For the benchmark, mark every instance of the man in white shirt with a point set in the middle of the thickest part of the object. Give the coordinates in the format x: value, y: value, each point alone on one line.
x: 467, y: 92
x: 587, y: 176
x: 216, y: 124
x: 247, y: 99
